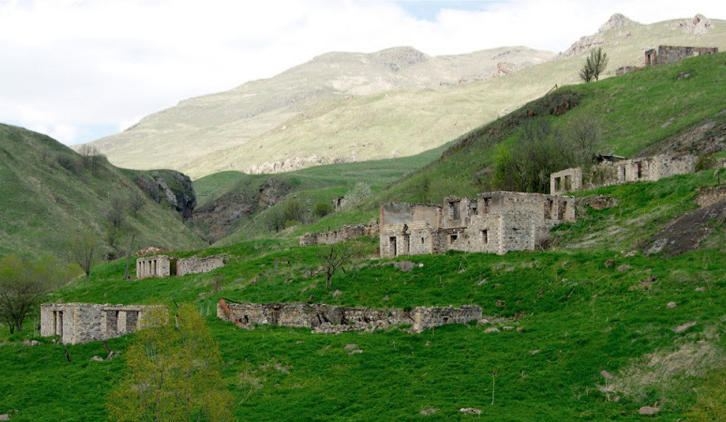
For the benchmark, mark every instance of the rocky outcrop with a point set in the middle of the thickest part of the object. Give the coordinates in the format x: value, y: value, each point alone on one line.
x: 171, y: 187
x: 697, y: 25
x: 617, y: 22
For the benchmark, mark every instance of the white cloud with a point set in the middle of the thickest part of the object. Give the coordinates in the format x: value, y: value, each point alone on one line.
x: 79, y: 69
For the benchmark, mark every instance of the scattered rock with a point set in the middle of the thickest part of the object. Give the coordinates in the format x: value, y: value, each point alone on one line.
x: 700, y: 289
x: 491, y: 330
x: 4, y: 417
x: 624, y: 268
x: 30, y: 343
x: 507, y: 328
x: 671, y: 305
x: 534, y: 352
x: 648, y: 282
x: 649, y: 410
x: 683, y: 75
x: 609, y: 263
x: 352, y: 349
x: 428, y: 411
x: 337, y: 293
x: 683, y: 327
x: 470, y: 411
x: 500, y: 303
x: 607, y: 375
x: 97, y: 359
x: 404, y: 266
x: 598, y: 202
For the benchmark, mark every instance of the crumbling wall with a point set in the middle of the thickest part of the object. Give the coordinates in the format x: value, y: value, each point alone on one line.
x: 672, y: 54
x: 640, y: 169
x: 195, y: 265
x: 153, y: 266
x: 711, y: 195
x: 568, y: 180
x: 77, y: 323
x: 346, y: 232
x: 332, y: 318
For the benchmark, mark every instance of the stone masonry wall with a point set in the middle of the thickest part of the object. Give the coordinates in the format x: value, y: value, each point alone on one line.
x: 331, y: 318
x: 672, y: 54
x: 153, y: 266
x: 82, y: 322
x: 346, y: 232
x: 194, y: 265
x: 626, y: 171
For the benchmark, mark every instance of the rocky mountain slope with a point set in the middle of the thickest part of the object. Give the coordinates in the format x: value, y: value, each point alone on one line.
x: 50, y: 195
x: 343, y: 107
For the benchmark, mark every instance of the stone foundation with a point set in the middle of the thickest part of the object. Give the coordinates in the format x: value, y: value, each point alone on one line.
x: 194, y: 265
x: 332, y: 319
x: 77, y: 323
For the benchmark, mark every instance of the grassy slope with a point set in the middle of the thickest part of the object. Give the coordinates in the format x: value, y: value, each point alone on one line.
x: 635, y: 111
x: 44, y: 203
x: 312, y: 185
x: 572, y: 313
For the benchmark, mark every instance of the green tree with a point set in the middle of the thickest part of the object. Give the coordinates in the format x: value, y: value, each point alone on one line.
x: 594, y: 65
x: 24, y: 283
x: 83, y: 249
x: 174, y: 374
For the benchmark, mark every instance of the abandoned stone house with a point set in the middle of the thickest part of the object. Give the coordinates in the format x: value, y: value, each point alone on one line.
x: 495, y: 222
x: 666, y: 54
x: 82, y: 322
x: 332, y: 318
x: 165, y: 266
x: 618, y: 171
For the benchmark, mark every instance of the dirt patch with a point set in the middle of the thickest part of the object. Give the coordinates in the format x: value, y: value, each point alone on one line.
x: 705, y: 138
x: 686, y: 232
x: 660, y: 369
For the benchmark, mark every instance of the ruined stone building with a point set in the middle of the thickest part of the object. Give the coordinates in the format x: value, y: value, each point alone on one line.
x: 82, y: 322
x: 164, y: 266
x: 618, y: 171
x: 494, y: 222
x: 342, y: 234
x: 666, y: 54
x: 332, y: 318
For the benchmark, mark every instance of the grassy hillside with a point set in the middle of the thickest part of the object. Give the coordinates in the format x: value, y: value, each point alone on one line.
x: 50, y: 194
x: 338, y: 108
x: 556, y: 321
x: 231, y: 208
x: 636, y: 112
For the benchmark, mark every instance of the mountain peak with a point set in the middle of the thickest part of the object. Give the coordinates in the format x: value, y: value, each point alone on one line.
x: 616, y: 21
x: 697, y: 25
x: 400, y: 57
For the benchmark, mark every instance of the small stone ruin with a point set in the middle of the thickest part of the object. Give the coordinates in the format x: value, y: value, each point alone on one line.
x: 165, y: 266
x: 333, y: 319
x: 617, y: 170
x: 666, y: 54
x: 77, y: 323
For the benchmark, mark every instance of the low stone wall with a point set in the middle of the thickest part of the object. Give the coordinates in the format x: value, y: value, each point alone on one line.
x: 332, y: 319
x: 153, y: 266
x: 77, y: 323
x: 195, y: 265
x: 336, y: 236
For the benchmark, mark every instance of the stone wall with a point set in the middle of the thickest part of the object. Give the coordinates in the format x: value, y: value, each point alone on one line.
x: 346, y: 232
x: 153, y: 266
x: 494, y: 222
x: 332, y: 318
x: 643, y: 169
x: 82, y: 322
x: 672, y: 54
x: 194, y: 265
x: 568, y: 180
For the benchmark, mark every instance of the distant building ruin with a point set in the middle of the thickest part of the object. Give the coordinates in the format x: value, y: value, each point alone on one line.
x: 164, y: 266
x: 666, y: 54
x: 332, y: 319
x: 342, y: 234
x: 494, y: 222
x: 617, y: 171
x: 77, y: 323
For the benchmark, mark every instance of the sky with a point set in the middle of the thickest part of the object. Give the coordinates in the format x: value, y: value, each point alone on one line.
x: 78, y: 70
